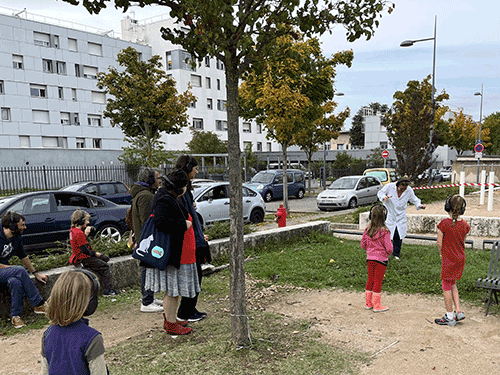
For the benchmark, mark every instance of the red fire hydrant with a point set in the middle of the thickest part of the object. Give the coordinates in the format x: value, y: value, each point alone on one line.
x: 281, y: 216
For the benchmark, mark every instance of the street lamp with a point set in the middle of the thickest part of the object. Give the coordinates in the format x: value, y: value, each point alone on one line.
x: 409, y: 43
x: 478, y: 139
x: 325, y: 151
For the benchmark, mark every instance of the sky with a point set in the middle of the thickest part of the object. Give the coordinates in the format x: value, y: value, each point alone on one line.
x: 467, y: 49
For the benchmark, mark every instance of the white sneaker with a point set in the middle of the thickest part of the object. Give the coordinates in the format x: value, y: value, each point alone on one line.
x: 158, y: 302
x: 153, y: 307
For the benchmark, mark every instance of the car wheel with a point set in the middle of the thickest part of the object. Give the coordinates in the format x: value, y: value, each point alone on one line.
x: 352, y: 203
x: 268, y: 197
x: 110, y: 232
x: 257, y: 216
x: 300, y: 194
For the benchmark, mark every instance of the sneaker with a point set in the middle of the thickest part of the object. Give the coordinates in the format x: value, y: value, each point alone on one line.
x: 445, y: 321
x: 39, y: 309
x: 459, y: 316
x: 397, y: 258
x: 17, y: 322
x: 203, y: 314
x: 152, y: 307
x: 157, y: 301
x: 195, y: 317
x: 110, y: 293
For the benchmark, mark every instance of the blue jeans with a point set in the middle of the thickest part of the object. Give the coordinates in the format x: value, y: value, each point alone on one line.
x: 396, y: 244
x: 20, y: 284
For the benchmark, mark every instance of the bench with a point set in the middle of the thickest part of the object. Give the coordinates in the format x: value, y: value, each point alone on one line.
x: 492, y: 281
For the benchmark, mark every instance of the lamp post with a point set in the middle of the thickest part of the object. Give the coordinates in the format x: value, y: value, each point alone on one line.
x: 478, y: 140
x: 325, y: 150
x: 409, y: 43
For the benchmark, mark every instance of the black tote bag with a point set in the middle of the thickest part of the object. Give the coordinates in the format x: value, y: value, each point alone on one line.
x: 153, y: 247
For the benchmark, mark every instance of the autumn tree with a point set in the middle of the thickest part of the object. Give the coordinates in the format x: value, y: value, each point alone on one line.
x: 291, y: 93
x: 491, y: 124
x: 460, y: 133
x: 409, y: 124
x: 240, y: 33
x: 144, y: 104
x: 357, y: 132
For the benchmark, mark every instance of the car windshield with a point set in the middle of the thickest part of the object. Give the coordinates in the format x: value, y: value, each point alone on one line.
x: 73, y: 187
x: 382, y: 175
x: 5, y: 201
x: 344, y: 183
x: 263, y: 178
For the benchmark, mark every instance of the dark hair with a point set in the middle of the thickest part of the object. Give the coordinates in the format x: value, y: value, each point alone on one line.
x: 186, y: 163
x: 147, y: 175
x: 10, y: 219
x: 175, y: 182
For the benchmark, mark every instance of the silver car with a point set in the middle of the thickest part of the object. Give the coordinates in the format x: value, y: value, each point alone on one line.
x: 212, y: 203
x: 349, y: 191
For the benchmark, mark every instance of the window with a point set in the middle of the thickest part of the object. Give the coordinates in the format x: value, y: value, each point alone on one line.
x: 98, y: 97
x: 72, y: 44
x: 80, y: 143
x: 209, y: 103
x: 340, y: 146
x: 61, y: 67
x: 38, y: 91
x: 95, y: 49
x: 55, y: 41
x: 220, y: 65
x: 41, y: 117
x: 259, y: 148
x: 2, y: 91
x: 247, y: 128
x: 221, y: 105
x: 168, y: 56
x: 65, y: 119
x: 94, y: 120
x: 208, y: 83
x: 192, y: 105
x: 269, y: 146
x: 73, y: 94
x: 218, y: 84
x: 259, y: 128
x: 47, y: 65
x: 195, y: 80
x: 24, y: 141
x: 207, y: 61
x: 186, y: 60
x: 198, y: 123
x: 17, y: 62
x: 55, y: 142
x: 97, y: 143
x: 383, y: 145
x: 41, y: 39
x: 78, y: 72
x: 75, y: 119
x: 5, y: 114
x: 220, y: 125
x: 247, y: 145
x: 60, y: 92
x: 90, y: 72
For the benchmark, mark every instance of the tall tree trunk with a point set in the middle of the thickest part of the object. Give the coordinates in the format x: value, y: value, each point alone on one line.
x: 285, y: 179
x: 239, y: 320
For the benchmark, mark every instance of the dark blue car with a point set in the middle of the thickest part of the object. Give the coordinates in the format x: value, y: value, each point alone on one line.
x: 48, y: 215
x: 114, y: 191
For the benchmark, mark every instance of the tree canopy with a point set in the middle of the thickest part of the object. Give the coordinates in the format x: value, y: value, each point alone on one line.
x: 492, y: 124
x: 460, y: 133
x: 409, y: 123
x: 144, y: 102
x: 206, y: 142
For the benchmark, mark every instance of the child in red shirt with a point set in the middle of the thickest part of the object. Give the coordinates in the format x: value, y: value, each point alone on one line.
x: 85, y: 255
x: 451, y: 245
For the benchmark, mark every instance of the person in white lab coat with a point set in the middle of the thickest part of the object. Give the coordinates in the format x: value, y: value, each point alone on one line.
x: 395, y: 197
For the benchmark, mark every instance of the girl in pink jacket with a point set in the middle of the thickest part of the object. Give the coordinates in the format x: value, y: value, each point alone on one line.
x: 376, y: 241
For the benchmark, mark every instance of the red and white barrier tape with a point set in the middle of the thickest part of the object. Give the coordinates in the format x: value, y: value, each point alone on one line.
x: 452, y: 185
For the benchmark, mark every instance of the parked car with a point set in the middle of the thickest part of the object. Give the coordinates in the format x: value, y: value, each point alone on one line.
x: 349, y: 191
x: 114, y: 191
x: 436, y: 175
x: 445, y: 171
x: 295, y: 165
x: 385, y: 175
x: 212, y: 204
x: 270, y: 184
x: 199, y: 182
x: 48, y: 215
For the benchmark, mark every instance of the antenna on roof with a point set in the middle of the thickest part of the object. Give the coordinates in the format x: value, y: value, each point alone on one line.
x: 18, y: 14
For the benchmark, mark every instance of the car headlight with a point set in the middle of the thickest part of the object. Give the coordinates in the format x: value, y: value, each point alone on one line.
x: 342, y: 196
x: 260, y: 187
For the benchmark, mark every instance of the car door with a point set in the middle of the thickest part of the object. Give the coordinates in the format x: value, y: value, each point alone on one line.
x: 277, y: 186
x: 66, y: 203
x: 374, y: 185
x: 362, y: 191
x: 107, y: 191
x: 248, y: 203
x: 39, y: 215
x: 213, y: 205
x: 292, y: 187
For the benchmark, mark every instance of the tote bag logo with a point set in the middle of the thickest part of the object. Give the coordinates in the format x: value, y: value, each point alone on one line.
x: 157, y: 252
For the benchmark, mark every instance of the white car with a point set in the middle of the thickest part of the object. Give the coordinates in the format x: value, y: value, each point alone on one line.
x: 349, y: 191
x: 212, y: 204
x: 446, y: 172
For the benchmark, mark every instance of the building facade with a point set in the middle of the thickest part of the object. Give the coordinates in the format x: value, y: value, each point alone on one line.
x: 208, y: 84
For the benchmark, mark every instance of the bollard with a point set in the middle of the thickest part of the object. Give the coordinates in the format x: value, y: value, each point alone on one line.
x: 281, y: 216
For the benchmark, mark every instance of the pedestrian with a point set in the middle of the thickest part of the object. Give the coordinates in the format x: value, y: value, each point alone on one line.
x: 84, y: 254
x: 180, y: 278
x: 187, y: 308
x: 16, y: 277
x: 69, y: 345
x: 395, y: 197
x: 143, y: 192
x: 376, y: 241
x: 451, y: 245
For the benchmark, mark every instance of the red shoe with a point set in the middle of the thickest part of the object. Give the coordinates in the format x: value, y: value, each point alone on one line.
x: 174, y: 328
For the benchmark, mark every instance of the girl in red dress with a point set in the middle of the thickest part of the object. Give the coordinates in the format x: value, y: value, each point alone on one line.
x: 451, y: 245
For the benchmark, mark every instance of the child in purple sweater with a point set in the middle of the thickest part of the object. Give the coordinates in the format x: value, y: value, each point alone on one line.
x: 376, y: 241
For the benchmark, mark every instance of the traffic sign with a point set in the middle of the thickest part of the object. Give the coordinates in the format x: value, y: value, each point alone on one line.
x: 479, y: 148
x: 478, y: 155
x: 385, y: 154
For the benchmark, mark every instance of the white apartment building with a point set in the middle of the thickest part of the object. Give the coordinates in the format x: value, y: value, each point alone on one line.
x: 207, y: 81
x: 48, y: 94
